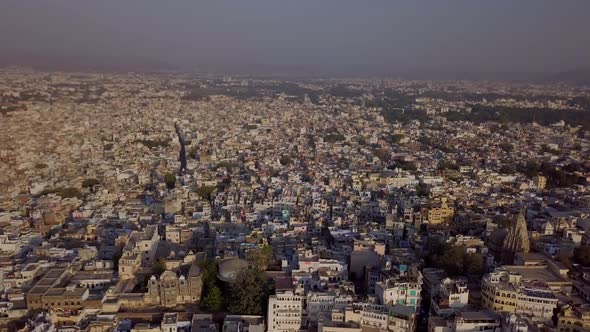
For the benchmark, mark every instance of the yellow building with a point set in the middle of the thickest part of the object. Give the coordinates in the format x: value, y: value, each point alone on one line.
x: 574, y: 319
x: 540, y: 182
x: 439, y: 213
x: 502, y: 291
x: 498, y: 298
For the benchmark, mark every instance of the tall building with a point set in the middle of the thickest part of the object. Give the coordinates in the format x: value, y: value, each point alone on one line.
x: 285, y: 312
x: 139, y: 252
x: 540, y: 182
x: 517, y: 240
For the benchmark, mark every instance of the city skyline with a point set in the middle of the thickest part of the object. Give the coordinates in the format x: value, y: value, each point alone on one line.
x: 294, y: 166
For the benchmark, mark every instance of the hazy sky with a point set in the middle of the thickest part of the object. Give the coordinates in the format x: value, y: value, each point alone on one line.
x: 470, y: 35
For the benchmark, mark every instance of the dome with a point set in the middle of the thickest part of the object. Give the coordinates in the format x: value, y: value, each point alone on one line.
x: 167, y: 275
x: 230, y: 267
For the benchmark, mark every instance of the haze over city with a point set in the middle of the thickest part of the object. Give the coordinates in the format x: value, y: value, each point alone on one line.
x: 517, y: 39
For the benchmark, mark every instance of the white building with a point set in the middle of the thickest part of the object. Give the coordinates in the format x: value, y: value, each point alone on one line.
x: 383, y: 318
x: 467, y: 321
x: 285, y: 311
x: 322, y: 304
x: 404, y: 290
x: 450, y: 295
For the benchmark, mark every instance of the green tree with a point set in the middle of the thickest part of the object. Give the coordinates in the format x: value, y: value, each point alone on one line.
x: 193, y: 153
x: 531, y: 168
x: 422, y: 190
x: 159, y: 267
x: 116, y: 257
x: 68, y: 192
x: 582, y: 255
x: 205, y: 192
x: 249, y: 293
x: 447, y: 165
x: 396, y: 138
x: 151, y: 144
x: 261, y: 257
x: 380, y: 153
x: 209, y: 272
x: 286, y: 160
x: 170, y: 180
x: 507, y: 147
x: 333, y: 138
x: 89, y: 183
x: 273, y: 172
x: 473, y: 263
x: 507, y: 169
x: 453, y: 259
x: 213, y: 301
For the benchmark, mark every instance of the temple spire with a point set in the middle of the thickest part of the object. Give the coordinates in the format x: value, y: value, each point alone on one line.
x: 517, y: 240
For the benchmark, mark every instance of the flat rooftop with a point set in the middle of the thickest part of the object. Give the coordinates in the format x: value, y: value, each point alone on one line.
x: 542, y: 273
x: 479, y: 315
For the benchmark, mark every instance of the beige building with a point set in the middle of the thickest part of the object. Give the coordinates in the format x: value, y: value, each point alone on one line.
x: 51, y: 293
x: 574, y: 319
x: 285, y: 311
x: 170, y: 290
x: 375, y: 317
x: 140, y: 251
x: 503, y: 291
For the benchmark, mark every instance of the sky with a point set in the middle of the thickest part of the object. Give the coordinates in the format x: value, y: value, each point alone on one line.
x: 389, y: 35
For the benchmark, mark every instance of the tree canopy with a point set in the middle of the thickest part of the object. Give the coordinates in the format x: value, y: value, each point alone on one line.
x: 454, y: 260
x: 213, y: 300
x: 67, y: 192
x: 205, y: 192
x: 481, y: 113
x: 89, y: 183
x: 249, y: 293
x: 159, y: 267
x: 151, y: 144
x: 422, y: 190
x: 170, y: 180
x: 582, y: 255
x: 556, y: 176
x: 261, y: 258
x: 212, y: 295
x: 333, y: 138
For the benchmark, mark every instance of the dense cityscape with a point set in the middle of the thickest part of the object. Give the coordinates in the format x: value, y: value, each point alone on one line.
x: 192, y: 202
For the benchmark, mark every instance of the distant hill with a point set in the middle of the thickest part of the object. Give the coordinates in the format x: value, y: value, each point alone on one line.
x: 146, y: 64
x: 575, y: 76
x: 85, y: 63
